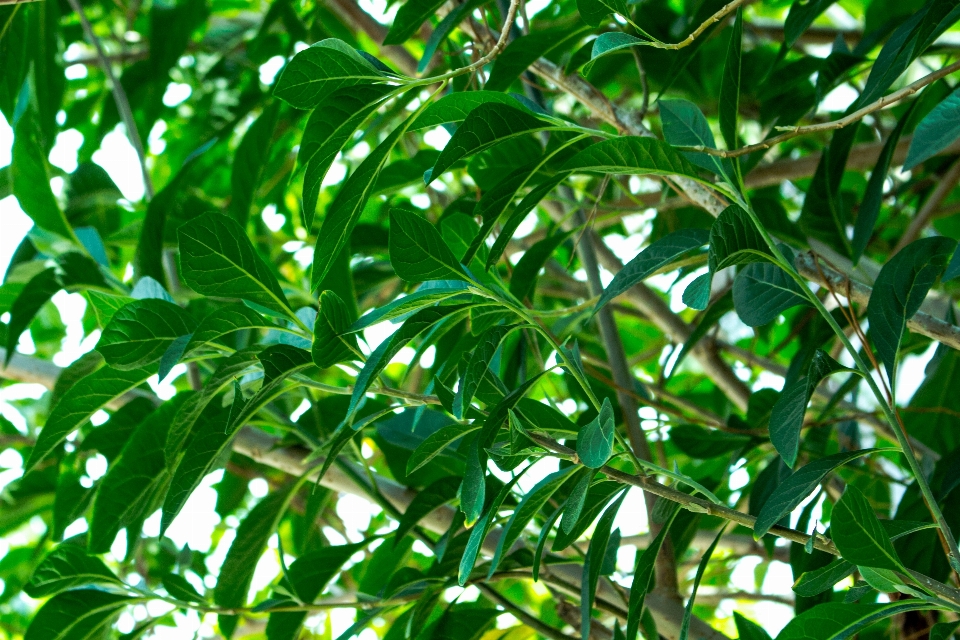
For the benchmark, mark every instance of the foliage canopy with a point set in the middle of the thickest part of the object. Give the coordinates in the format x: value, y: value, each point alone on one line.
x: 482, y: 319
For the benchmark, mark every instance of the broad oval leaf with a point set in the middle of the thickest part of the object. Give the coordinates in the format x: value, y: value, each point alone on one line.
x: 142, y: 331
x: 595, y: 440
x: 859, y: 535
x: 762, y: 291
x: 321, y: 69
x: 77, y: 615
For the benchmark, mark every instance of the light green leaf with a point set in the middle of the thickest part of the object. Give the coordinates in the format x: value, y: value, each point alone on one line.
x: 77, y: 405
x: 859, y: 535
x: 899, y: 291
x: 105, y: 305
x: 217, y: 259
x: 329, y: 128
x: 321, y: 69
x: 133, y: 480
x: 786, y: 418
x: 595, y: 440
x: 658, y: 255
x: 417, y: 250
x: 84, y: 614
x: 838, y: 621
x: 142, y: 331
x: 792, y: 491
x: 487, y: 125
x: 66, y: 567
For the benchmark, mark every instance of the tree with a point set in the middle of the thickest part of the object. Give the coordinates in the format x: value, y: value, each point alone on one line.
x: 547, y: 319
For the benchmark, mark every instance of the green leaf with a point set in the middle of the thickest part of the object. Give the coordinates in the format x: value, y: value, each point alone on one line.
x: 456, y: 106
x: 702, y: 443
x: 105, y: 305
x: 425, y: 502
x: 436, y: 442
x: 697, y: 293
x: 480, y: 361
x: 309, y: 576
x: 411, y: 15
x: 792, y: 491
x: 212, y: 435
x: 66, y: 567
x: 786, y: 418
x: 595, y: 440
x: 32, y: 297
x: 417, y: 250
x: 133, y: 480
x: 531, y: 504
x: 748, y: 629
x: 708, y: 320
x: 30, y: 176
x: 485, y: 126
x: 684, y: 125
x: 837, y: 621
x: 218, y: 260
x: 614, y: 41
x: 943, y: 630
x: 704, y: 561
x: 238, y: 567
x: 643, y: 573
x: 250, y: 161
x: 142, y: 331
x: 858, y: 534
x: 480, y: 530
x: 329, y: 128
x: 524, y: 51
x: 321, y: 69
x: 342, y: 214
x: 873, y: 196
x: 331, y: 341
x: 77, y: 615
x: 800, y: 17
x: 815, y: 582
x: 77, y: 405
x: 593, y: 563
x: 528, y: 204
x: 222, y: 322
x: 899, y: 291
x: 378, y: 360
x: 181, y: 589
x: 762, y: 291
x: 428, y: 294
x: 658, y: 255
x: 631, y: 155
x: 735, y: 239
x: 730, y: 84
x: 183, y: 423
x: 573, y: 506
x: 523, y: 280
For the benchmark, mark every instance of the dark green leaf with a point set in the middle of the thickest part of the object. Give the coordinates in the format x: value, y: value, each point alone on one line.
x: 250, y: 161
x: 762, y: 291
x: 32, y: 297
x: 792, y: 491
x: 30, y: 175
x: 786, y: 418
x: 524, y: 51
x: 643, y: 574
x: 595, y: 440
x: 455, y: 107
x: 859, y: 535
x: 748, y: 629
x: 937, y: 131
x: 411, y: 15
x: 417, y: 250
x: 321, y: 69
x: 217, y: 259
x: 480, y: 360
x: 66, y: 567
x: 730, y: 85
x: 575, y: 501
x: 735, y: 239
x: 331, y: 341
x: 523, y: 281
x: 83, y: 400
x: 658, y: 255
x: 702, y: 443
x: 436, y: 442
x: 593, y: 563
x: 812, y: 583
x: 425, y: 502
x: 480, y: 530
x: 800, y: 17
x: 181, y: 589
x: 225, y: 321
x: 836, y: 621
x: 142, y: 331
x: 631, y: 155
x: 701, y: 568
x: 684, y: 125
x: 77, y: 615
x: 899, y: 291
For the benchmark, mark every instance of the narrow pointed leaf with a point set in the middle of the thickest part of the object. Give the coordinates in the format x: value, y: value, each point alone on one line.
x: 595, y: 440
